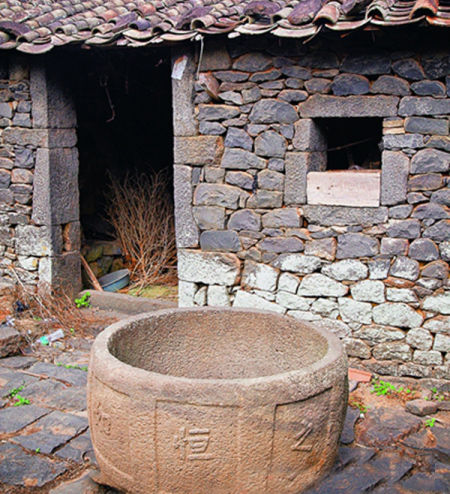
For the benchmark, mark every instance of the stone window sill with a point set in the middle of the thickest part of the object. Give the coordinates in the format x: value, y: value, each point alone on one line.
x: 357, y: 188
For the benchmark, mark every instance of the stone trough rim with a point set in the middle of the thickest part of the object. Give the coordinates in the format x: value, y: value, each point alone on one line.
x: 113, y: 369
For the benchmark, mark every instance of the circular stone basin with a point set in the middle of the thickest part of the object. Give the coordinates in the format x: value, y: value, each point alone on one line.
x: 213, y: 400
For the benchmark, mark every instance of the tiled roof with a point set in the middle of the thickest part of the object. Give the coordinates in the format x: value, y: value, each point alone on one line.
x: 35, y: 26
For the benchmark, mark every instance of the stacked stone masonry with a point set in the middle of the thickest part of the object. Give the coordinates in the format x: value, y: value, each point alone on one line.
x: 247, y: 237
x: 39, y: 223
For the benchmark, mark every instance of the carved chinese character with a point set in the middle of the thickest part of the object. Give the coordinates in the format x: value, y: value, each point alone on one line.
x: 305, y: 430
x: 193, y: 443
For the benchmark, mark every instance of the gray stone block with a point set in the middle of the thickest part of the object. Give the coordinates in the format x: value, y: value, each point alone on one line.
x: 423, y: 125
x: 38, y: 240
x: 184, y: 121
x: 346, y: 84
x: 56, y: 192
x: 368, y: 291
x: 273, y: 111
x: 429, y: 181
x: 355, y: 311
x: 216, y: 195
x: 217, y: 112
x: 321, y: 106
x: 308, y: 136
x: 429, y: 161
x: 245, y: 219
x: 61, y: 272
x: 239, y: 159
x: 409, y: 69
x: 400, y: 212
x: 204, y: 267
x: 267, y: 75
x: 26, y: 137
x: 325, y: 248
x: 259, y: 276
x: 209, y: 217
x: 185, y: 227
x: 438, y: 142
x: 270, y: 180
x: 388, y: 84
x: 395, y: 141
x: 252, y: 62
x: 297, y: 166
x: 349, y: 269
x: 423, y: 249
x: 281, y: 218
x: 429, y: 88
x: 281, y: 244
x: 211, y: 128
x: 404, y: 229
x: 293, y: 95
x: 270, y: 144
x: 366, y: 63
x: 298, y: 263
x: 394, y: 177
x: 406, y: 268
x: 352, y: 245
x: 394, y: 247
x: 441, y: 197
x: 198, y: 150
x: 430, y: 210
x: 220, y: 241
x: 416, y: 105
x: 439, y: 232
x: 238, y: 138
x: 265, y: 199
x: 340, y: 215
x: 318, y: 285
x: 6, y: 110
x: 397, y: 314
x: 241, y: 179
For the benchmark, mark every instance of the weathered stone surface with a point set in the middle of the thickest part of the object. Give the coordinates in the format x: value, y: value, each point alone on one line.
x: 394, y: 177
x: 416, y: 105
x: 10, y: 339
x: 281, y: 244
x: 441, y: 197
x: 204, y: 267
x: 404, y: 229
x: 356, y: 348
x: 421, y: 407
x: 273, y: 111
x: 279, y: 218
x: 37, y: 241
x: 351, y: 245
x: 217, y: 112
x: 346, y: 270
x: 298, y: 263
x: 379, y: 334
x: 409, y: 69
x: 323, y: 106
x: 265, y: 199
x: 185, y: 226
x: 430, y: 181
x: 339, y: 215
x: 216, y: 195
x: 259, y: 276
x: 395, y: 141
x: 218, y: 296
x: 392, y: 351
x: 251, y: 95
x: 241, y: 160
x: 423, y: 125
x: 291, y: 301
x: 430, y: 357
x: 324, y: 248
x: 220, y: 241
x: 252, y: 62
x: 308, y: 136
x: 430, y: 160
x: 387, y: 84
x: 238, y: 138
x: 419, y: 338
x: 439, y: 232
x: 346, y: 84
x: 232, y: 97
x: 436, y: 269
x: 401, y: 295
x: 397, y: 314
x: 394, y: 246
x: 438, y: 303
x: 297, y: 166
x: 216, y: 58
x: 186, y: 293
x: 13, y: 419
x: 438, y: 324
x: 295, y: 71
x: 320, y: 285
x: 354, y: 311
x: 366, y: 63
x: 406, y: 268
x: 293, y: 95
x: 209, y: 217
x: 184, y: 122
x: 442, y: 343
x: 326, y: 307
x: 430, y: 211
x: 270, y: 180
x: 270, y: 144
x: 250, y: 300
x: 244, y: 219
x: 429, y: 88
x: 438, y: 142
x: 368, y: 291
x: 24, y: 470
x: 444, y: 250
x: 211, y: 128
x: 423, y: 249
x: 241, y: 179
x: 318, y: 85
x: 288, y: 283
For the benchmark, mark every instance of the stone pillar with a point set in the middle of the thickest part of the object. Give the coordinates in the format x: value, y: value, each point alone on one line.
x: 55, y: 210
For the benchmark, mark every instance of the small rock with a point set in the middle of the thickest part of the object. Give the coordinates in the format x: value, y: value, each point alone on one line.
x: 421, y: 407
x: 10, y: 339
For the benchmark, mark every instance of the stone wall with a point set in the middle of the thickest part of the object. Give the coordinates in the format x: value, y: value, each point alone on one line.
x: 246, y: 139
x: 39, y: 228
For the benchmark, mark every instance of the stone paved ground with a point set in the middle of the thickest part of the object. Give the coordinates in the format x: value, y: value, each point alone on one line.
x: 46, y: 444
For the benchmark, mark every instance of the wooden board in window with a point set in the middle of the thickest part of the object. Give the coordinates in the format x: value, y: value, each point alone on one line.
x: 357, y: 188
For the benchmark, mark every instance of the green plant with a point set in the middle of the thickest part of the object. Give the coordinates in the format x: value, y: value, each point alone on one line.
x: 383, y: 388
x: 430, y: 422
x: 436, y: 395
x: 360, y: 406
x: 37, y: 450
x: 70, y: 366
x: 15, y: 391
x: 21, y: 401
x: 83, y: 301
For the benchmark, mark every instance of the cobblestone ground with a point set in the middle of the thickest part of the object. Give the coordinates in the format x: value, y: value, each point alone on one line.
x: 45, y: 445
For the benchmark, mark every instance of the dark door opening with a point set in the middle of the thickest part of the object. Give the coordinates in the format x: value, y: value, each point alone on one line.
x: 125, y: 138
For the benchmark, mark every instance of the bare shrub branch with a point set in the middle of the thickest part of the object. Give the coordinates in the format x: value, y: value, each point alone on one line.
x: 141, y: 212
